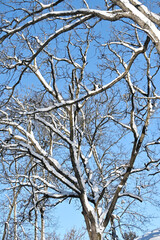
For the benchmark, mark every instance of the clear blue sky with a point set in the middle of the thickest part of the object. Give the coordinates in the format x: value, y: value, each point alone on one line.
x: 69, y: 216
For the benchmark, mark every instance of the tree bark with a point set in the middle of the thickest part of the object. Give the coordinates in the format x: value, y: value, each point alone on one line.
x: 36, y: 226
x: 42, y: 224
x: 15, y: 217
x: 92, y: 230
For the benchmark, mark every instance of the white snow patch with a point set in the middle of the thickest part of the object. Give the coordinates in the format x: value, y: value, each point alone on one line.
x: 153, y: 235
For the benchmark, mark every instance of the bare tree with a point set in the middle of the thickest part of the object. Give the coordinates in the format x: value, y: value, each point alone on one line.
x: 74, y: 234
x: 94, y: 72
x: 129, y: 236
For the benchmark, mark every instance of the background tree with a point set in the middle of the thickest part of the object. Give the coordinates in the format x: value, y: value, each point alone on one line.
x: 129, y: 236
x: 95, y: 71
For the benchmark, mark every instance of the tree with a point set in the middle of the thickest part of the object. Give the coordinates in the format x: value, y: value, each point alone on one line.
x: 95, y: 71
x: 74, y: 234
x: 130, y: 236
x: 23, y: 197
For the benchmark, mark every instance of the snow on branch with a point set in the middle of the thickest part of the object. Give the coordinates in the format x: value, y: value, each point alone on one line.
x: 131, y: 196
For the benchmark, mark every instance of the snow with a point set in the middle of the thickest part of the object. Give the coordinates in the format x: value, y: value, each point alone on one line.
x: 153, y: 235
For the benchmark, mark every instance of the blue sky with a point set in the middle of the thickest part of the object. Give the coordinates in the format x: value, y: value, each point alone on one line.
x: 68, y: 215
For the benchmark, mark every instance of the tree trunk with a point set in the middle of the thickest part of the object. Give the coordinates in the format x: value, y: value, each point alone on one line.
x: 15, y: 207
x: 15, y: 218
x: 92, y: 228
x: 36, y: 225
x: 42, y: 224
x: 95, y: 236
x: 114, y: 235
